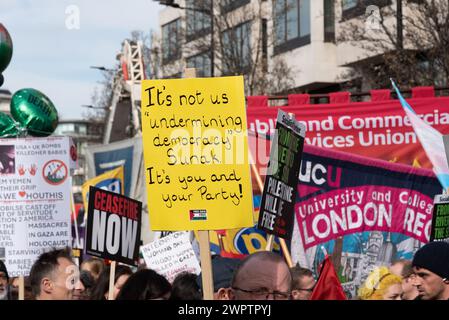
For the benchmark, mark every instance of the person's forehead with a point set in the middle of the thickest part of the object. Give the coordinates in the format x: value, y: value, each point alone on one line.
x: 306, y: 280
x: 418, y: 271
x: 3, y: 274
x: 64, y: 264
x: 397, y: 268
x: 123, y: 278
x: 394, y: 288
x: 263, y: 272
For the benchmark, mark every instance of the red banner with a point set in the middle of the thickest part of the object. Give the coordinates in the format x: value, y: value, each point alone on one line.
x: 374, y: 129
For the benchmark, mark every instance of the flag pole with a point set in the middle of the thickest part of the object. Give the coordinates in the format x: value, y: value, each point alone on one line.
x: 75, y: 218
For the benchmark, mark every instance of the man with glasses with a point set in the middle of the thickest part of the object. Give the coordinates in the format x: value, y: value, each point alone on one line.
x: 431, y: 269
x: 262, y: 275
x: 303, y: 283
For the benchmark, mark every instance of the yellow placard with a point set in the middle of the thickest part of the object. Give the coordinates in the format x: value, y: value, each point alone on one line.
x: 112, y: 180
x: 196, y: 154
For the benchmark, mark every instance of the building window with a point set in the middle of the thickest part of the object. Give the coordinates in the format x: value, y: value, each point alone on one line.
x: 171, y: 36
x: 292, y: 24
x: 198, y: 18
x: 329, y: 21
x: 230, y: 5
x: 201, y: 63
x: 237, y: 49
x: 355, y: 8
x: 81, y: 128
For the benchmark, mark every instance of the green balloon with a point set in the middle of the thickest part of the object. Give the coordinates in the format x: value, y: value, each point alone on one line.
x: 34, y: 111
x: 5, y: 48
x: 7, y: 126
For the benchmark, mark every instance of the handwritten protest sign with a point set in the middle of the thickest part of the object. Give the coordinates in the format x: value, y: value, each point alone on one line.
x: 196, y: 154
x: 34, y: 199
x: 440, y: 218
x: 113, y: 226
x: 279, y: 193
x: 171, y: 255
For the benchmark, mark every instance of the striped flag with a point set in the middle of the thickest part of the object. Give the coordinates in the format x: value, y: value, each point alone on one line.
x: 431, y: 140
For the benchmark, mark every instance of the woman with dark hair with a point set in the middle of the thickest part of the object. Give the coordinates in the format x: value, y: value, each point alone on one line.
x: 185, y: 287
x: 101, y: 288
x: 145, y: 285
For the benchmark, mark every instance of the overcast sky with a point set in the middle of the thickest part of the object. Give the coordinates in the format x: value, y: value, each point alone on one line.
x: 53, y: 55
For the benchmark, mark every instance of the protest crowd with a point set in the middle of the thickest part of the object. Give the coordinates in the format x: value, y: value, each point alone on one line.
x: 260, y: 276
x: 205, y: 193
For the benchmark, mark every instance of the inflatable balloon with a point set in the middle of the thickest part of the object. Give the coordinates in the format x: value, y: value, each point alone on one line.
x: 7, y: 126
x: 5, y: 50
x: 34, y: 111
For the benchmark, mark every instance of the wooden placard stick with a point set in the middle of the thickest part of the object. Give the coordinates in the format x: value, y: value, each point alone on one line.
x: 21, y: 288
x: 270, y: 239
x: 203, y: 235
x: 111, y: 281
x: 206, y: 265
x: 287, y: 256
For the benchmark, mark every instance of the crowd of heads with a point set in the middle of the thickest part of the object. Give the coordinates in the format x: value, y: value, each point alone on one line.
x: 260, y: 276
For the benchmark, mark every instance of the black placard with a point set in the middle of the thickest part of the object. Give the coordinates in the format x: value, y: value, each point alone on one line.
x: 280, y: 189
x: 440, y: 219
x: 113, y: 226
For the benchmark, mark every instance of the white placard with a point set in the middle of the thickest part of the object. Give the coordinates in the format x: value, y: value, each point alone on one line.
x: 171, y: 255
x: 34, y: 199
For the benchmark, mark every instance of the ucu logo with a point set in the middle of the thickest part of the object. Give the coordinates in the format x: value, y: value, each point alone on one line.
x: 319, y: 174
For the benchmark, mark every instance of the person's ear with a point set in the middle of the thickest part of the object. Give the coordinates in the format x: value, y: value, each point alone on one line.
x: 46, y: 285
x: 224, y: 294
x: 295, y: 294
x: 230, y: 294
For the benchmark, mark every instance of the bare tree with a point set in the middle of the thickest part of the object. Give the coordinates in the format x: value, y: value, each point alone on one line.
x: 101, y: 97
x: 421, y: 58
x: 240, y: 46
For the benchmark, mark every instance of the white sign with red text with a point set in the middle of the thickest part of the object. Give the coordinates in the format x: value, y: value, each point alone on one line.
x: 34, y: 199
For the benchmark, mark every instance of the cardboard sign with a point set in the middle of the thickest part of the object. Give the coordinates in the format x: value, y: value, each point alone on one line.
x: 440, y: 219
x: 196, y: 154
x: 113, y: 226
x: 280, y: 189
x: 171, y: 255
x: 34, y: 199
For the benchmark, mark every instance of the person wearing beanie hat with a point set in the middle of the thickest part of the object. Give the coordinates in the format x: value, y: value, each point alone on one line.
x: 4, y: 279
x: 431, y: 268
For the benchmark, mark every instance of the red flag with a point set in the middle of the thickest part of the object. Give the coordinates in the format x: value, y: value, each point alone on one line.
x: 328, y: 287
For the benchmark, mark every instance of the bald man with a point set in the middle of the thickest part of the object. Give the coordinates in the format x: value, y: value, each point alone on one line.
x: 261, y: 276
